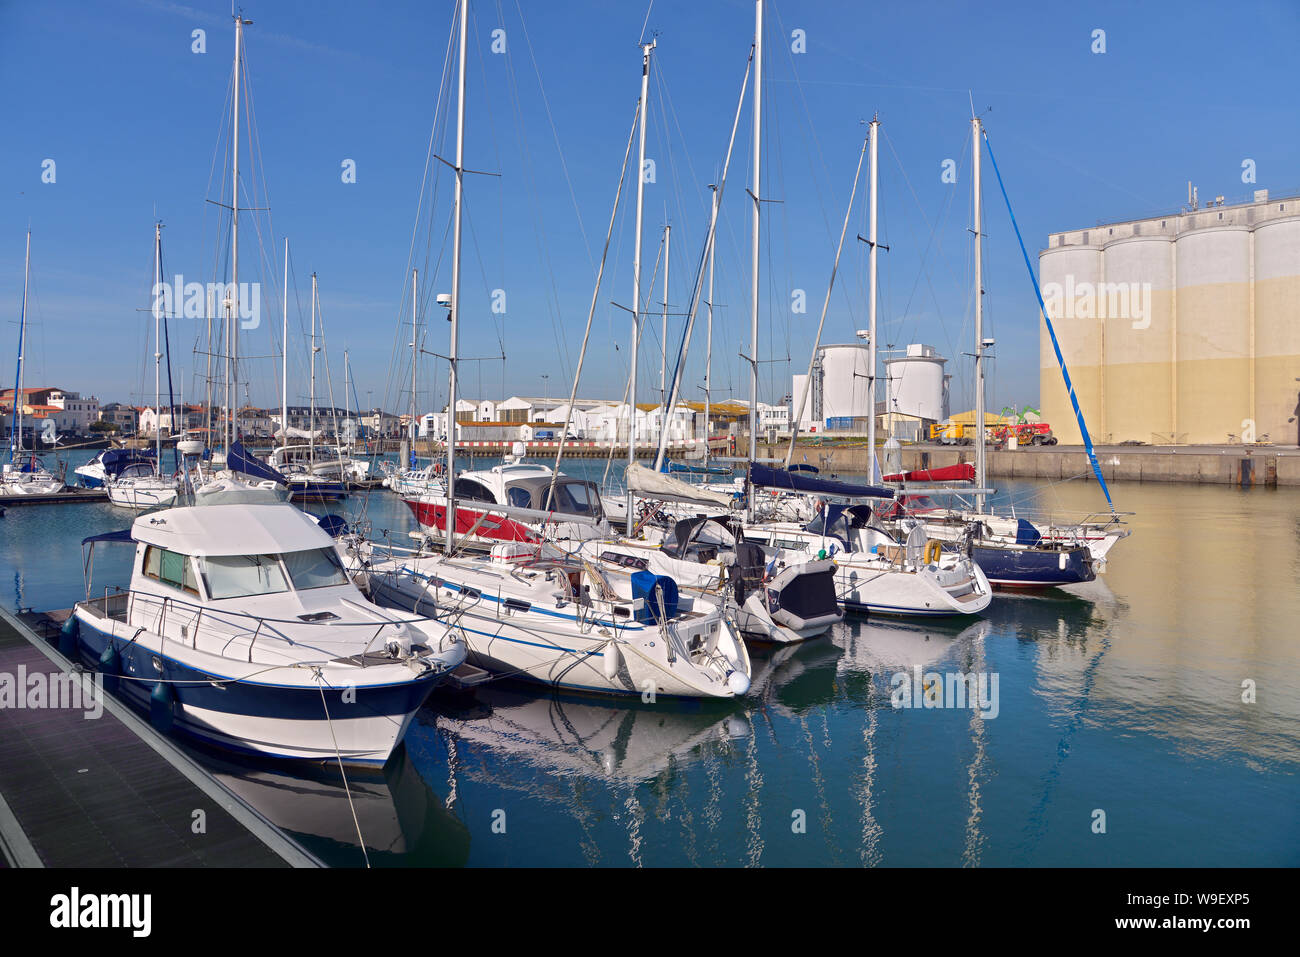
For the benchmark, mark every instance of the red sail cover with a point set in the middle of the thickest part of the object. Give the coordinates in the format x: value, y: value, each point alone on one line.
x: 949, y: 473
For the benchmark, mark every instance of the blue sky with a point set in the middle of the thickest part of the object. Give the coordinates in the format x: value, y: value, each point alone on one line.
x: 134, y: 120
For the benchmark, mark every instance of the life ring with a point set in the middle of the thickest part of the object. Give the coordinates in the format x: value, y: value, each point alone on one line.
x: 933, y: 551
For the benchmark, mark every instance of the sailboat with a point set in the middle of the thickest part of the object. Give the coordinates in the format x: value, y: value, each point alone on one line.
x: 1019, y: 556
x: 529, y: 610
x: 874, y: 572
x: 24, y: 474
x: 141, y: 484
x: 691, y: 533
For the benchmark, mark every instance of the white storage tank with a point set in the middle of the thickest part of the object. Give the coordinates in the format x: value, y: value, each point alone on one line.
x: 1066, y: 273
x: 844, y: 382
x: 1277, y: 328
x: 915, y: 384
x: 1138, y: 338
x: 1213, y: 338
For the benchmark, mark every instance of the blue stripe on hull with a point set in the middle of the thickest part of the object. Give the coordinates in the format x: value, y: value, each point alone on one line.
x: 246, y: 698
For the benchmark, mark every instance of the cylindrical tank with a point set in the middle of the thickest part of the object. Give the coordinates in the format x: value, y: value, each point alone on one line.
x: 1137, y: 301
x: 915, y: 383
x: 844, y: 383
x: 1277, y: 328
x: 1213, y: 337
x: 1067, y: 274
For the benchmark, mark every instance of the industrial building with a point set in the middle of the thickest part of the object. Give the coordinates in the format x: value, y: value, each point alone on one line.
x: 915, y: 390
x: 1177, y: 329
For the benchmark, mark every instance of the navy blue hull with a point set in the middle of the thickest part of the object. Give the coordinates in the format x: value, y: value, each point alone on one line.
x: 141, y: 669
x: 1034, y: 567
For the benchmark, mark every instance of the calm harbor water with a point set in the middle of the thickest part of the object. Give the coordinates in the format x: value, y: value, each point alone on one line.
x: 1123, y: 696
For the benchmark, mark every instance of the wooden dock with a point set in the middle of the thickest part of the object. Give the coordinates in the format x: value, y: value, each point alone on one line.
x: 73, y: 494
x: 108, y: 791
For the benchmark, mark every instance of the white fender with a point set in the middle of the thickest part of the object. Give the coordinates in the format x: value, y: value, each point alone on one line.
x: 613, y: 660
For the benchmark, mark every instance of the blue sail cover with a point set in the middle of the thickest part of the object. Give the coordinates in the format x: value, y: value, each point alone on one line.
x: 765, y: 476
x: 239, y: 459
x: 695, y: 469
x: 115, y: 460
x: 1051, y: 331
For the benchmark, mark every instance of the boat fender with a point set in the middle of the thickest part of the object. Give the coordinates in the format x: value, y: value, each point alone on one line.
x: 933, y: 551
x: 613, y: 660
x: 1060, y: 561
x: 110, y: 664
x: 738, y: 683
x: 68, y: 636
x: 161, y: 712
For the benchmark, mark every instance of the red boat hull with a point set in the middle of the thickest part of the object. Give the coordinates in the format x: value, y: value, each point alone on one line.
x: 433, y: 517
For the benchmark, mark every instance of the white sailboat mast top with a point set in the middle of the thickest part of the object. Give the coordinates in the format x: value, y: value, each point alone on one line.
x: 872, y: 296
x: 449, y: 538
x: 232, y: 310
x: 979, y: 315
x: 756, y: 193
x: 157, y: 348
x: 646, y: 49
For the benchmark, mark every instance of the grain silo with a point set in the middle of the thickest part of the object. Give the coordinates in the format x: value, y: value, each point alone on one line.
x: 1179, y: 328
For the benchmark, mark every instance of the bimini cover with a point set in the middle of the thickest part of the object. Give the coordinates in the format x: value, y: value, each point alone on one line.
x: 765, y: 476
x: 656, y: 485
x: 245, y: 463
x: 121, y: 535
x: 654, y: 589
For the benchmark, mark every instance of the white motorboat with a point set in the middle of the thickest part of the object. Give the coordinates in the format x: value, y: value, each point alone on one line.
x: 240, y: 627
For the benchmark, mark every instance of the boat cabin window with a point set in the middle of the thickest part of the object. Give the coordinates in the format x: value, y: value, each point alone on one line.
x: 518, y: 497
x: 170, y: 568
x: 470, y: 491
x: 574, y: 498
x: 241, y: 576
x: 315, y: 568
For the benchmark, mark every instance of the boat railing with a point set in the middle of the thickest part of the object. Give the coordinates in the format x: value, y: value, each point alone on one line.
x: 124, y: 605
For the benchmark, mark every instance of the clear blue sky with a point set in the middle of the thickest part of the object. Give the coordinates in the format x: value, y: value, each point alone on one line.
x: 133, y: 119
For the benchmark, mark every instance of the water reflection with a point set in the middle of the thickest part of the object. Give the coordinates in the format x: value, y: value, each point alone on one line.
x: 399, y: 816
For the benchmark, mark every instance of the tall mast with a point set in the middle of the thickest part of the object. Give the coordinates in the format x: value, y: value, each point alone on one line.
x: 311, y: 421
x: 232, y: 313
x: 979, y: 318
x: 347, y: 399
x: 455, y: 287
x: 284, y: 357
x: 663, y: 361
x: 415, y: 358
x: 157, y: 348
x: 646, y: 49
x: 756, y: 193
x: 708, y: 345
x: 16, y: 440
x: 871, y: 308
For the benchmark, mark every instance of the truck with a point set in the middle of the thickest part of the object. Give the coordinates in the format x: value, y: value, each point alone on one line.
x: 963, y: 433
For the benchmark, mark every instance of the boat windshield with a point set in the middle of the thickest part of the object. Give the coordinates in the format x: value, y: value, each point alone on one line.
x: 315, y: 568
x: 242, y: 576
